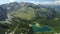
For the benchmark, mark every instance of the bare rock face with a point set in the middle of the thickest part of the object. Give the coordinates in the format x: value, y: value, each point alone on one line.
x: 3, y: 14
x: 22, y: 8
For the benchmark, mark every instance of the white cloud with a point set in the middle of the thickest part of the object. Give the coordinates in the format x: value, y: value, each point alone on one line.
x: 11, y: 0
x: 46, y: 2
x: 32, y: 2
x: 57, y: 2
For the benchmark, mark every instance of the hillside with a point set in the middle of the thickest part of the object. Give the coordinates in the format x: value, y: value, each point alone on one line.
x: 23, y: 14
x: 29, y: 10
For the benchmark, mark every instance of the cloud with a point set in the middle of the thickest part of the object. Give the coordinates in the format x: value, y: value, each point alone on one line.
x: 56, y: 2
x: 33, y: 2
x: 11, y: 0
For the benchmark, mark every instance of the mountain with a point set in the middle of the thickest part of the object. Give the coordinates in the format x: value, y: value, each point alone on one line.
x: 56, y: 7
x: 29, y: 10
x: 23, y: 14
x: 3, y: 14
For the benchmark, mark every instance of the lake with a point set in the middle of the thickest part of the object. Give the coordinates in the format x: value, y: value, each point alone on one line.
x: 41, y: 29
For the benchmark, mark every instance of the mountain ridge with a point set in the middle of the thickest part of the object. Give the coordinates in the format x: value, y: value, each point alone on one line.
x: 25, y: 7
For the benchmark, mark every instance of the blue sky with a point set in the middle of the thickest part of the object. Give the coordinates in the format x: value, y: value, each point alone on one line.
x: 33, y: 1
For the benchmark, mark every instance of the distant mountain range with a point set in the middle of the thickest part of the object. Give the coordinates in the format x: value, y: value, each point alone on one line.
x: 56, y: 7
x: 28, y: 10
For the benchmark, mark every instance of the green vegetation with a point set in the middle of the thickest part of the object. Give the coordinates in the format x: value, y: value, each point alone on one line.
x: 31, y: 14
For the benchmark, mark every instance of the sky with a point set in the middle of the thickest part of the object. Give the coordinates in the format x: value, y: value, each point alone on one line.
x: 32, y: 1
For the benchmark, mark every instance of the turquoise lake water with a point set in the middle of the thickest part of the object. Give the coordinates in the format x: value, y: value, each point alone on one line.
x: 42, y: 29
